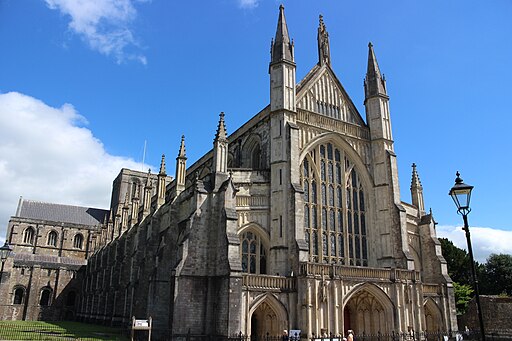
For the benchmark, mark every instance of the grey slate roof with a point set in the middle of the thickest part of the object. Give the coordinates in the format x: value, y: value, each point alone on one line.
x: 61, y: 213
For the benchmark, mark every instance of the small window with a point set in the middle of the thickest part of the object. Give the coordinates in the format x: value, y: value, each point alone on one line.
x: 28, y: 236
x: 52, y: 239
x: 78, y: 241
x: 19, y: 295
x: 46, y: 294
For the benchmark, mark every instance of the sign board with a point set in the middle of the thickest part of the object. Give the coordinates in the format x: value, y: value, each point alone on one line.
x: 294, y: 334
x: 141, y: 323
x: 138, y: 324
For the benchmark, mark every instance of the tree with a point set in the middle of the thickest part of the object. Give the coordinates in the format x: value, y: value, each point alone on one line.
x: 497, y: 275
x: 463, y: 294
x: 457, y: 259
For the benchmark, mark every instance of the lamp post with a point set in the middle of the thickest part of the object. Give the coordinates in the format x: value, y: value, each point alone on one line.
x: 461, y: 195
x: 5, y: 252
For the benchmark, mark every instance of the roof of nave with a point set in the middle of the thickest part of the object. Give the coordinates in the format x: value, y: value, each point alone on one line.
x: 60, y: 213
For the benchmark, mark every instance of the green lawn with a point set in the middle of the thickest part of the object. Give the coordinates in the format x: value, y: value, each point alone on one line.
x: 58, y: 331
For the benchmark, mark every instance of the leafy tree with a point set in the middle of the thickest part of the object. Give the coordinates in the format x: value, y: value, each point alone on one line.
x: 497, y: 275
x: 463, y: 294
x: 457, y: 259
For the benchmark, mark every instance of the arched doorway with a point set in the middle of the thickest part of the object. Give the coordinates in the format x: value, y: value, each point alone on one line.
x: 268, y: 318
x: 433, y: 318
x: 369, y: 312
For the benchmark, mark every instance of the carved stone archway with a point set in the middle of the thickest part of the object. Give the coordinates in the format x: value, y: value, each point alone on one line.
x: 368, y: 311
x: 268, y: 317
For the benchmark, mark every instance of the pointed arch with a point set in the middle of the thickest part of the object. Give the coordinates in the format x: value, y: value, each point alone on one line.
x: 347, y: 148
x: 275, y: 319
x: 28, y: 235
x: 433, y: 316
x: 78, y: 241
x: 251, y: 152
x: 368, y: 309
x: 254, y: 248
x: 52, y: 238
x: 338, y: 211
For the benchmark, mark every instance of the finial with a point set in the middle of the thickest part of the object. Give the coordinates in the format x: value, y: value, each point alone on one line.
x: 221, y: 128
x: 148, y: 178
x: 281, y: 7
x: 415, y: 182
x: 458, y: 180
x: 181, y: 152
x: 162, y: 165
x: 370, y: 45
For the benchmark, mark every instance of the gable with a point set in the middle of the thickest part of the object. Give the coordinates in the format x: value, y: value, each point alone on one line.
x: 321, y: 92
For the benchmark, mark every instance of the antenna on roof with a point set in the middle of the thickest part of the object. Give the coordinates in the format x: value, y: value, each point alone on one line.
x: 143, y: 155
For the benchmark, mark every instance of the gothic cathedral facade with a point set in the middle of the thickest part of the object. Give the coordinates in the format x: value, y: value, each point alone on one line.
x: 292, y: 222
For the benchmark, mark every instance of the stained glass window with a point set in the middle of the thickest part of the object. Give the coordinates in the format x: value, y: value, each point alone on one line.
x: 335, y: 226
x: 253, y: 254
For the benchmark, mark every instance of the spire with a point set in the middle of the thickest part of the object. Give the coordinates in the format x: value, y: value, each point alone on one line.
x: 162, y: 165
x: 221, y: 134
x: 146, y: 199
x: 415, y: 182
x: 220, y: 147
x: 324, y: 53
x: 417, y: 191
x: 181, y: 153
x: 160, y: 186
x: 282, y: 49
x: 374, y: 83
x: 181, y: 167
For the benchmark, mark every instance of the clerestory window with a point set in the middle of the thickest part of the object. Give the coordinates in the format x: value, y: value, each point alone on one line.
x: 78, y: 241
x: 334, y: 208
x: 52, y: 238
x: 28, y: 236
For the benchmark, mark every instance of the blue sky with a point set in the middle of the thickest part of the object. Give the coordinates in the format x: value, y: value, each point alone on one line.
x: 84, y: 84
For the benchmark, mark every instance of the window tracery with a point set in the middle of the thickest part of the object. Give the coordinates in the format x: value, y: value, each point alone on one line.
x: 335, y: 222
x: 253, y: 253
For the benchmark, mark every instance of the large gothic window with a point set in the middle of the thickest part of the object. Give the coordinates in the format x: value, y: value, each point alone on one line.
x: 253, y: 254
x: 334, y: 208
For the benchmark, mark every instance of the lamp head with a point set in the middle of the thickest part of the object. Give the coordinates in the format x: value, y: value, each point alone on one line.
x: 5, y: 252
x: 461, y: 195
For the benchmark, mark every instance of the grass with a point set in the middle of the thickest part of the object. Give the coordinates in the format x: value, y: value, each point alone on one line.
x: 58, y: 331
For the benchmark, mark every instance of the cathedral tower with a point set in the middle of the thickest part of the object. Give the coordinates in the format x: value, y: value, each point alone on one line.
x: 284, y: 147
x: 389, y: 213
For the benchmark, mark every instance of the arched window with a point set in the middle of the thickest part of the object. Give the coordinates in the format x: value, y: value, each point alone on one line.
x: 28, y: 236
x: 19, y: 295
x: 335, y: 219
x: 253, y: 254
x: 78, y: 241
x: 46, y: 295
x: 52, y: 239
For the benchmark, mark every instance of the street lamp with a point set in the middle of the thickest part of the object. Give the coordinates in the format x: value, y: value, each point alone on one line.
x: 5, y: 252
x: 461, y: 195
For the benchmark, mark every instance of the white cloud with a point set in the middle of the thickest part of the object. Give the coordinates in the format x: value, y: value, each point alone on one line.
x: 104, y: 24
x: 484, y: 240
x: 46, y: 154
x: 248, y: 3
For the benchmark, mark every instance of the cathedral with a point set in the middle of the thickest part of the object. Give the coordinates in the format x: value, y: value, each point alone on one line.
x: 293, y: 222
